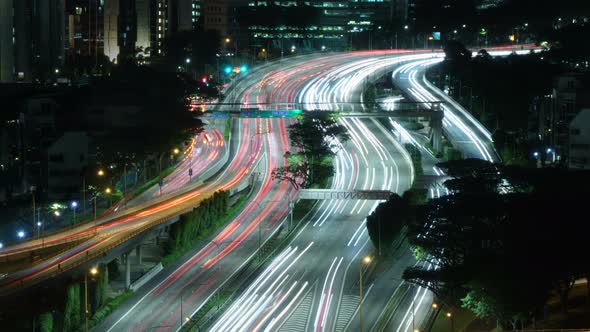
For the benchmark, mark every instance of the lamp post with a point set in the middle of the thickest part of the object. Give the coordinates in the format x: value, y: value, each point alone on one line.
x: 365, y: 260
x: 74, y: 205
x: 93, y: 271
x: 186, y: 63
x: 450, y: 316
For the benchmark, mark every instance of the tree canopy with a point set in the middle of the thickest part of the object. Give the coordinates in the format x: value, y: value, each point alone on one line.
x: 317, y: 136
x: 500, y: 251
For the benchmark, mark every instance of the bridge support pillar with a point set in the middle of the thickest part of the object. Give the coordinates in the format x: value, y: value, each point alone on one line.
x: 436, y: 125
x: 127, y: 271
x: 138, y: 253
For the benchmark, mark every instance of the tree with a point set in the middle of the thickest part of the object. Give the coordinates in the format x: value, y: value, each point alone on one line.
x: 72, y: 310
x: 456, y: 53
x: 46, y: 322
x: 386, y: 222
x: 101, y: 287
x: 490, y: 245
x: 318, y: 136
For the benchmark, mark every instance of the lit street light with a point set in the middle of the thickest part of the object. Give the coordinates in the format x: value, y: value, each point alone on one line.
x: 21, y: 234
x: 366, y: 260
x: 1, y: 245
x: 93, y: 272
x: 74, y: 205
x: 100, y: 172
x: 56, y: 213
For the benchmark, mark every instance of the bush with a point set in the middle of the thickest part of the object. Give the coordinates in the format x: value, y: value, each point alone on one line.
x: 416, y: 156
x: 196, y: 224
x: 109, y: 307
x: 452, y: 154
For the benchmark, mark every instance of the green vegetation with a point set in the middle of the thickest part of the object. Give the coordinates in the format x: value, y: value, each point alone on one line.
x: 227, y: 129
x: 416, y: 156
x: 490, y: 239
x: 499, y: 93
x: 101, y: 287
x: 450, y: 154
x: 46, y: 322
x: 315, y: 135
x: 370, y: 94
x: 108, y: 307
x: 388, y: 222
x: 200, y: 223
x: 139, y: 190
x: 73, y: 310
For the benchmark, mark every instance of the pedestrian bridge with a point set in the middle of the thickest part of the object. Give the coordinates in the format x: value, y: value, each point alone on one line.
x: 344, y: 194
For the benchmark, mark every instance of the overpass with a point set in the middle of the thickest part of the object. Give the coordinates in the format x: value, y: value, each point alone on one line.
x: 433, y: 110
x: 344, y: 194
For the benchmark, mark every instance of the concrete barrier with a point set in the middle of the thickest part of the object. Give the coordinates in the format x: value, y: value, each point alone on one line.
x: 146, y: 277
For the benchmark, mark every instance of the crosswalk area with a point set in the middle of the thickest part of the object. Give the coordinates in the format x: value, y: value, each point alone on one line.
x: 299, y: 319
x: 348, y: 307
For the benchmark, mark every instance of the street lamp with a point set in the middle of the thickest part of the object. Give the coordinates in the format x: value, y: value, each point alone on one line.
x: 176, y: 151
x: 93, y: 271
x: 450, y: 316
x: 56, y: 213
x: 74, y: 205
x: 39, y: 224
x: 21, y: 234
x: 100, y: 172
x: 1, y: 245
x: 366, y: 260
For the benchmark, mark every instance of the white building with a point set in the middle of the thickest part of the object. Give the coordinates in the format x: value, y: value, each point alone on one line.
x: 579, y: 141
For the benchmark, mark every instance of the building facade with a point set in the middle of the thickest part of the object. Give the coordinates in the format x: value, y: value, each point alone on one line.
x: 579, y: 141
x: 111, y: 29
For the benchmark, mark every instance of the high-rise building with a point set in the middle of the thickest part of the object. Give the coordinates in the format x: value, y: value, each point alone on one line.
x: 143, y: 10
x: 31, y: 38
x: 111, y: 29
x: 326, y: 25
x: 85, y: 27
x: 23, y: 38
x: 6, y: 41
x: 216, y: 16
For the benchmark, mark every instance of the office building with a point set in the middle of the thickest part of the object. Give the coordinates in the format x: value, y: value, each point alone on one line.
x: 6, y: 41
x: 85, y: 28
x: 111, y: 29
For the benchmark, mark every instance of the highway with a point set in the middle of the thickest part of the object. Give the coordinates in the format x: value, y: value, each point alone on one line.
x: 313, y: 284
x: 320, y: 269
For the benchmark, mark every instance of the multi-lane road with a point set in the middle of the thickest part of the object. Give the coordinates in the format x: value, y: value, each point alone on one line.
x: 313, y: 284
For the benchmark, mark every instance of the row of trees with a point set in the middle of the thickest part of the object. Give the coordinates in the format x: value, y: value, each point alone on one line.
x: 499, y: 92
x: 192, y: 225
x: 316, y: 136
x: 502, y: 242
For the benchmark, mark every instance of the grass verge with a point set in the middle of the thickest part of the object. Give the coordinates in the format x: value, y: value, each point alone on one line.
x: 227, y: 129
